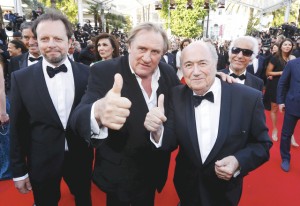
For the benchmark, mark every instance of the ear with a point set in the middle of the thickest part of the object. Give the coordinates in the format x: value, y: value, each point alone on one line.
x: 129, y: 49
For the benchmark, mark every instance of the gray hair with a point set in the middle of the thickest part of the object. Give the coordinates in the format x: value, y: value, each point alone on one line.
x: 247, y: 39
x: 26, y: 25
x: 148, y: 26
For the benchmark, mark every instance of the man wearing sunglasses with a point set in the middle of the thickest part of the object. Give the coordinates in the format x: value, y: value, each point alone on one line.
x: 242, y: 51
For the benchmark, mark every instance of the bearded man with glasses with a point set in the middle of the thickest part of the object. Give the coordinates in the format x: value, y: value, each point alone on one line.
x: 242, y: 51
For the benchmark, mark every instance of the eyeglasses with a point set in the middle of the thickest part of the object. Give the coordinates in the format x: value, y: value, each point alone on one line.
x: 245, y: 52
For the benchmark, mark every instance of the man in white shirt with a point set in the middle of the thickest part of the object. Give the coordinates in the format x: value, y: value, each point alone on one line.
x: 111, y: 114
x: 43, y: 148
x: 219, y: 127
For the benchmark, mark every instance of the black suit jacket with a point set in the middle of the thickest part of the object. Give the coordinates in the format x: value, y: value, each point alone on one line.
x: 251, y: 80
x: 37, y: 134
x: 171, y: 60
x: 126, y: 160
x: 242, y: 132
x: 261, y: 70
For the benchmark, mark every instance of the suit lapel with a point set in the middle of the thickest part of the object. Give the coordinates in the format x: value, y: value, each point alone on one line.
x: 192, y: 128
x: 78, y: 82
x: 42, y: 89
x: 248, y: 80
x: 225, y: 111
x: 24, y: 61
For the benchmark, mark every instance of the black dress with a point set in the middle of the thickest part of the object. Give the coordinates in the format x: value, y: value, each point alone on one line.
x: 271, y: 87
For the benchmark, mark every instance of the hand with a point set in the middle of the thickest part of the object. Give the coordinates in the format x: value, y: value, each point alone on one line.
x: 281, y: 107
x: 227, y: 78
x: 4, y: 118
x: 23, y: 186
x: 155, y: 118
x: 226, y: 167
x: 112, y: 110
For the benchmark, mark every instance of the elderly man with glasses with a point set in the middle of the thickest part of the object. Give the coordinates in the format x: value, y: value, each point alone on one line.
x: 242, y: 51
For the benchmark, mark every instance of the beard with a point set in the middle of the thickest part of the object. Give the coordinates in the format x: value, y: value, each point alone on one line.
x: 55, y: 60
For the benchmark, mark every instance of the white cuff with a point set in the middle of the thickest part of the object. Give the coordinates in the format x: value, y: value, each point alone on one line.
x: 96, y: 131
x: 157, y: 145
x: 20, y: 178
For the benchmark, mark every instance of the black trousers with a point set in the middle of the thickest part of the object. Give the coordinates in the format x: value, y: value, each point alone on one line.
x: 76, y: 173
x: 145, y: 198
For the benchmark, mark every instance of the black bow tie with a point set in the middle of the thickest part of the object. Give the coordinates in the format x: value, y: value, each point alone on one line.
x: 32, y: 59
x: 241, y: 77
x: 53, y: 71
x: 198, y: 99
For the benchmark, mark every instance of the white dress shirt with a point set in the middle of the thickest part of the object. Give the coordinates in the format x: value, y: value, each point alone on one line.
x: 102, y: 132
x: 255, y: 64
x: 62, y: 90
x: 207, y: 116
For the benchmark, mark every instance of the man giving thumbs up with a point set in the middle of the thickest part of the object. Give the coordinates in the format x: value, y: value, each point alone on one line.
x: 111, y: 117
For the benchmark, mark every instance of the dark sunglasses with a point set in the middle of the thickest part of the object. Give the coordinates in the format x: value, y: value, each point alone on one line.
x: 245, y: 52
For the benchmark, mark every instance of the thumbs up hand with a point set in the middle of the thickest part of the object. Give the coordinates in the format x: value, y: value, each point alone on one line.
x: 112, y: 110
x: 156, y: 116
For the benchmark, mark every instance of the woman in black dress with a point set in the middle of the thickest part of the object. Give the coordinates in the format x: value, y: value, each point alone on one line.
x: 273, y: 72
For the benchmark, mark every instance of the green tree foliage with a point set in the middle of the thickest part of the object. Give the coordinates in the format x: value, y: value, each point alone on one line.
x: 95, y: 9
x: 114, y: 21
x: 67, y: 7
x: 128, y: 24
x: 278, y: 15
x: 184, y: 22
x: 252, y: 23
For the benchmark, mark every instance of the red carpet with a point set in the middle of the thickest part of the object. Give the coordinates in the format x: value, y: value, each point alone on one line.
x: 266, y: 186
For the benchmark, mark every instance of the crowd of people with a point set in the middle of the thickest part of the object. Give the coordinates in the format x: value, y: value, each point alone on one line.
x: 83, y: 106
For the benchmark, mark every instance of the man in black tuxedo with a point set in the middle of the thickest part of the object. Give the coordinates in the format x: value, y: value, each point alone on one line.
x: 242, y: 51
x: 258, y: 66
x: 219, y: 127
x: 31, y: 57
x: 43, y: 148
x: 170, y: 59
x: 111, y: 114
x: 33, y: 54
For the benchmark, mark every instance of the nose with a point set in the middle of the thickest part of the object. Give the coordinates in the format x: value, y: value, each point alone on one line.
x: 51, y: 43
x: 147, y: 57
x: 196, y: 70
x: 32, y: 41
x: 240, y: 54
